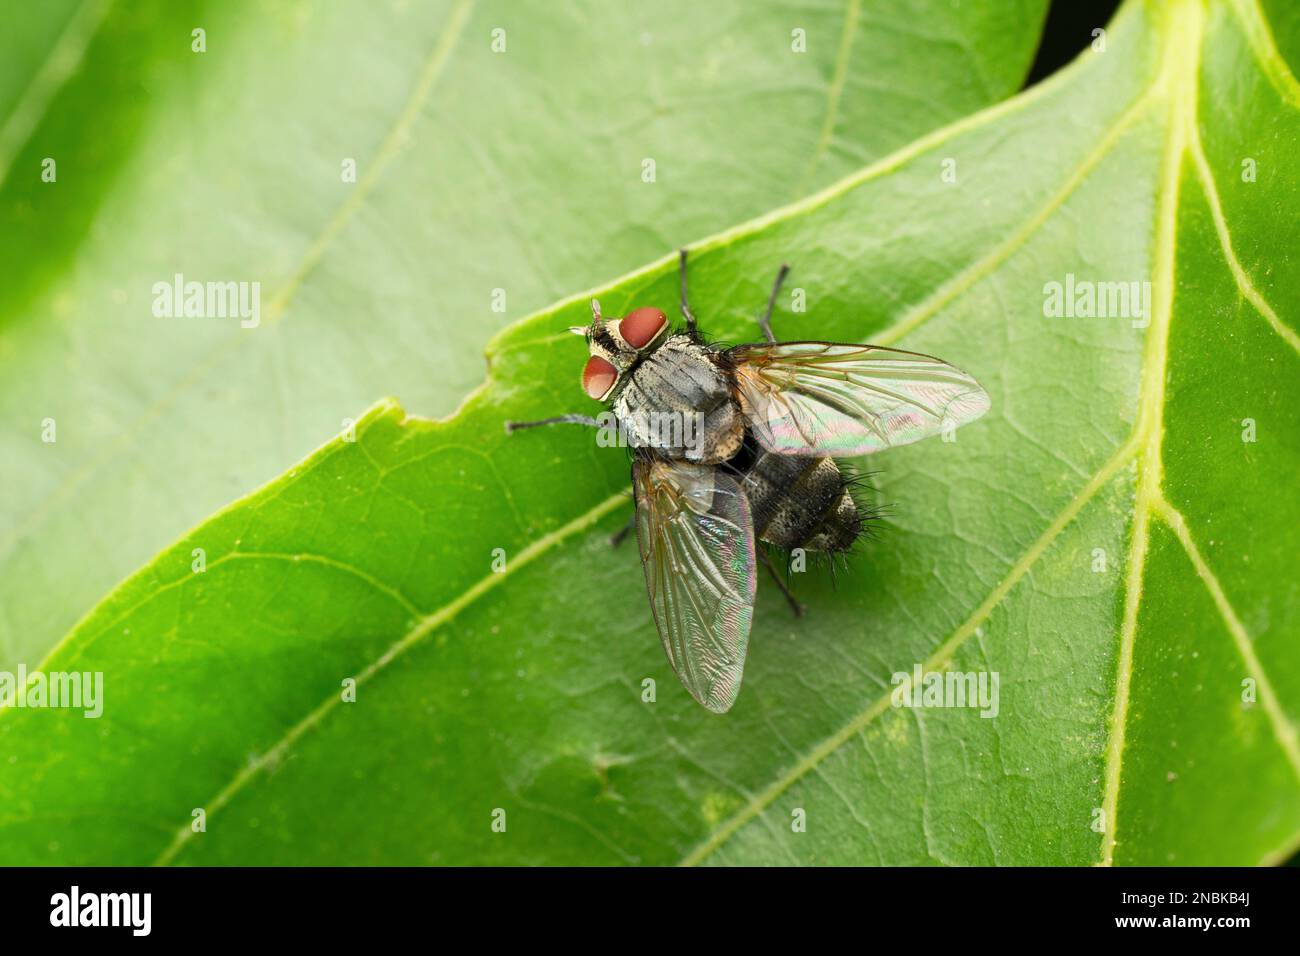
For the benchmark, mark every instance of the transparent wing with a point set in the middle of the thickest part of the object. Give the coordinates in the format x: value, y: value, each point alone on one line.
x: 697, y: 549
x: 847, y: 400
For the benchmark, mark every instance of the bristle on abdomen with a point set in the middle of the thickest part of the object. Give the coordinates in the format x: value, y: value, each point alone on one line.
x: 840, y: 528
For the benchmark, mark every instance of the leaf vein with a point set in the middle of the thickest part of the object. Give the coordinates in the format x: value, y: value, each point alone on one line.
x: 388, y: 148
x: 1264, y: 48
x: 758, y: 804
x: 835, y: 91
x: 422, y: 628
x: 1244, y: 284
x: 62, y: 62
x: 1282, y: 727
x: 972, y: 274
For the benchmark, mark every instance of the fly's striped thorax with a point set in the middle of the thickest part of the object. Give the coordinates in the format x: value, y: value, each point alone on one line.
x: 681, y: 382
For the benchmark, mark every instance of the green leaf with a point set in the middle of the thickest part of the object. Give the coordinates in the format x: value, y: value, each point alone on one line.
x: 476, y: 171
x: 36, y: 55
x: 1103, y: 539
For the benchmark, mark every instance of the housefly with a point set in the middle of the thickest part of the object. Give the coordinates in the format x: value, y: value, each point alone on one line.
x: 750, y: 455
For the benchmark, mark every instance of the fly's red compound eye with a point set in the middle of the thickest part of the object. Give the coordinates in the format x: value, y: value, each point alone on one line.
x: 641, y: 325
x: 598, y: 377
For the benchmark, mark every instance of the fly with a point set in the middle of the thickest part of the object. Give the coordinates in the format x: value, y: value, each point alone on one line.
x: 733, y: 446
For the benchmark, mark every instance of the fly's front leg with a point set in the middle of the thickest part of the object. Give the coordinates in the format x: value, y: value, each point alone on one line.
x: 765, y: 323
x: 617, y: 537
x: 686, y: 309
x: 556, y: 420
x: 511, y: 427
x: 795, y: 605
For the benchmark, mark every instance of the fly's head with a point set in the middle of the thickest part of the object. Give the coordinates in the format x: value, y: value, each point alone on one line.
x: 616, y: 345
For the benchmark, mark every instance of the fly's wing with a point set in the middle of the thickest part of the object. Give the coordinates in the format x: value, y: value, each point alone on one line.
x: 696, y: 537
x: 806, y: 398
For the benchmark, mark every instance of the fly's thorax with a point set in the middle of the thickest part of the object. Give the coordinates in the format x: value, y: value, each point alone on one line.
x: 678, y: 401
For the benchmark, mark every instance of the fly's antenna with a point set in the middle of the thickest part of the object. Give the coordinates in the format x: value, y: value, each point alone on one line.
x: 585, y: 330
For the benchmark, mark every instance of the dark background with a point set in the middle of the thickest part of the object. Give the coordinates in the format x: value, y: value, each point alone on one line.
x: 1068, y: 31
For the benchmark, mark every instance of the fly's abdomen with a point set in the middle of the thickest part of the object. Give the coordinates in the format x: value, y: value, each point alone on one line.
x: 802, y: 502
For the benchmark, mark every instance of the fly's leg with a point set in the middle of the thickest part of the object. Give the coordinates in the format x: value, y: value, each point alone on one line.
x: 556, y: 420
x: 686, y: 309
x: 785, y: 589
x: 617, y: 537
x: 765, y: 323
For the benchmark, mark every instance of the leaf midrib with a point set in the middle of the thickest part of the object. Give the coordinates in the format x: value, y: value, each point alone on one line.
x: 1182, y: 49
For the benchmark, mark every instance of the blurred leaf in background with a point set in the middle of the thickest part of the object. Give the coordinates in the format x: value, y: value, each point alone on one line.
x: 1112, y: 539
x: 402, y: 179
